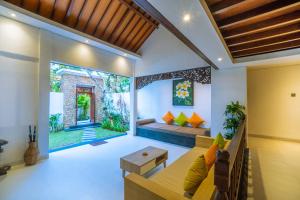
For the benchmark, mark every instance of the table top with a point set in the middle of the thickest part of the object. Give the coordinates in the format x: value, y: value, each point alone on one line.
x: 139, y: 159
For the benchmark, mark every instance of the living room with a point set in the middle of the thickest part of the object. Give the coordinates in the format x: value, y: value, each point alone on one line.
x: 195, y: 97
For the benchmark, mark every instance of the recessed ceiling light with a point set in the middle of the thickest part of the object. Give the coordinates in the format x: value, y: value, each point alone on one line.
x: 13, y: 14
x: 86, y: 41
x: 187, y: 17
x: 220, y: 59
x: 125, y: 54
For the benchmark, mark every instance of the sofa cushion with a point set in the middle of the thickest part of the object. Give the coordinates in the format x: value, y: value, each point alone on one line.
x: 210, y: 155
x: 168, y: 118
x: 195, y: 120
x: 196, y: 174
x: 181, y: 119
x: 219, y: 140
x: 173, y: 176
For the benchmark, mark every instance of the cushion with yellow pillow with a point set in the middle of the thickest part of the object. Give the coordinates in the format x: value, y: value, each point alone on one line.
x: 168, y: 118
x: 210, y: 155
x: 181, y: 119
x: 219, y: 140
x: 196, y: 174
x: 195, y: 120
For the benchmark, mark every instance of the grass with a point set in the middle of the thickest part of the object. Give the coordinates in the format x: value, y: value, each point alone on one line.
x: 67, y: 138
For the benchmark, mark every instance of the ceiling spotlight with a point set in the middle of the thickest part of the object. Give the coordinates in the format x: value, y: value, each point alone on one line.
x: 13, y: 14
x: 220, y: 59
x: 125, y: 54
x: 86, y: 41
x: 186, y: 18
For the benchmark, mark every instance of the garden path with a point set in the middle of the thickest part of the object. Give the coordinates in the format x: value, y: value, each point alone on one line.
x: 89, y: 134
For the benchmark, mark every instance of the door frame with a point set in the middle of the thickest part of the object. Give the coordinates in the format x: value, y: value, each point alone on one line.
x: 90, y: 90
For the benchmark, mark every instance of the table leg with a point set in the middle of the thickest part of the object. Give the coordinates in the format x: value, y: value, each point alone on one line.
x: 123, y: 173
x: 165, y: 164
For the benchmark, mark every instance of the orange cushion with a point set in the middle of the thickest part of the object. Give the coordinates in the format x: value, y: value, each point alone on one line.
x: 210, y: 155
x: 168, y: 117
x: 195, y: 120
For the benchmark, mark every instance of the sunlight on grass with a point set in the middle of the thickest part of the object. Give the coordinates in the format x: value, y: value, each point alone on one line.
x: 104, y: 133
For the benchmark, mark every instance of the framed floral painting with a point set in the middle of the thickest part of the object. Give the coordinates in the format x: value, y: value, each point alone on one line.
x: 183, y: 92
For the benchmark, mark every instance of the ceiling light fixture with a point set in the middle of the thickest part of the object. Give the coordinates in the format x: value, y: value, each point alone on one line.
x: 86, y: 41
x: 220, y: 59
x: 13, y: 14
x: 186, y: 17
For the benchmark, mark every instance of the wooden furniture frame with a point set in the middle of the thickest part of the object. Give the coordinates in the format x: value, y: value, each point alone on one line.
x: 140, y: 164
x: 229, y: 167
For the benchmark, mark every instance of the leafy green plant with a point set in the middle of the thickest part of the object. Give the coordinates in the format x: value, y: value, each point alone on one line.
x: 83, y: 102
x: 234, y: 113
x: 54, y: 124
x: 115, y: 122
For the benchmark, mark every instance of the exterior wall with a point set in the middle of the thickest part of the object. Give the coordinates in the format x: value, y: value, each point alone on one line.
x: 68, y: 87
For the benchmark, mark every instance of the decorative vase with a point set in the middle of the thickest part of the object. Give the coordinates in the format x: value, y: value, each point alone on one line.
x: 31, y: 154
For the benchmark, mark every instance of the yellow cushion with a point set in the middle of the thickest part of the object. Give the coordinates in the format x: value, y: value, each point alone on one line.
x: 196, y: 174
x: 219, y: 140
x: 210, y: 155
x: 181, y: 119
x: 168, y: 117
x: 195, y: 120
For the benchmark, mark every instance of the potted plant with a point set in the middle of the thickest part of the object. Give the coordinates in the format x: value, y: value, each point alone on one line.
x: 234, y: 113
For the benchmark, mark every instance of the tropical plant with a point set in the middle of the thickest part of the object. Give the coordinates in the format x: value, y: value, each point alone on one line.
x: 54, y: 124
x: 115, y: 122
x: 234, y: 113
x: 83, y: 102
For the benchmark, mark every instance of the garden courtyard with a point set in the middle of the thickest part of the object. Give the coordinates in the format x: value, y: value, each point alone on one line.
x: 86, y: 106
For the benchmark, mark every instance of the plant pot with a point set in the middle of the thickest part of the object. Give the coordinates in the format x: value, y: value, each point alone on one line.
x: 31, y: 154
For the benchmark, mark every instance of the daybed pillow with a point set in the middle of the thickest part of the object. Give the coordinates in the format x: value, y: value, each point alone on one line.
x: 219, y: 140
x: 168, y: 118
x: 181, y: 119
x: 210, y: 155
x: 195, y: 120
x: 196, y: 174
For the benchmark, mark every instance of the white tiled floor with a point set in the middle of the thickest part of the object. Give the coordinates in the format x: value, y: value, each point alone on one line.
x: 82, y: 173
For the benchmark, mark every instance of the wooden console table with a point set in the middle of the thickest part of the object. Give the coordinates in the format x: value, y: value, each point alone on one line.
x: 140, y: 163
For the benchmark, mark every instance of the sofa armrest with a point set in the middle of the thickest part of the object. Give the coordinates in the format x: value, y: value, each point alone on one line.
x: 144, y: 121
x: 140, y: 188
x: 204, y: 141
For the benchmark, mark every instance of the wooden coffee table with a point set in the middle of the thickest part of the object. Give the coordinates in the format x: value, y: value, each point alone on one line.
x: 143, y: 160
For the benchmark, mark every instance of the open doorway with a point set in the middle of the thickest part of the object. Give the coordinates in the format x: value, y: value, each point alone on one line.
x: 86, y: 106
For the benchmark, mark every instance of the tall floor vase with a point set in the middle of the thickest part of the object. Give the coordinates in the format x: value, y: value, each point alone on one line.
x: 31, y: 154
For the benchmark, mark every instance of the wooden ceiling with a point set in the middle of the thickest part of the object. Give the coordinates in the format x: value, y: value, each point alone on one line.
x: 119, y: 22
x: 252, y: 27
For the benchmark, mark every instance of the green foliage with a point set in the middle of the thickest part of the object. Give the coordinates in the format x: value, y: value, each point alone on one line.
x: 234, y: 113
x: 54, y: 124
x: 83, y: 102
x: 115, y: 122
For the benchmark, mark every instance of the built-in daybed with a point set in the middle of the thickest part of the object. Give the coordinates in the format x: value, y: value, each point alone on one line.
x: 184, y: 136
x: 226, y: 179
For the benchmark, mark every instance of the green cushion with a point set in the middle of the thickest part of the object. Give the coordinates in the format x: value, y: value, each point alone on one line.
x: 196, y: 174
x: 219, y: 140
x: 181, y: 119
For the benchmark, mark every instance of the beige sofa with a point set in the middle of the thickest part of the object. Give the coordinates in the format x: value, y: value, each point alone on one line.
x: 168, y: 183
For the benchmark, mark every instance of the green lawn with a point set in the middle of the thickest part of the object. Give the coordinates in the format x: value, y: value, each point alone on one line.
x: 67, y: 138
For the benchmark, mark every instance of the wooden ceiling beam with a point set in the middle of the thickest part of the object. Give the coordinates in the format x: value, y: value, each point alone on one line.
x: 283, y: 20
x: 138, y: 12
x: 154, y: 13
x: 267, y: 42
x: 223, y: 6
x: 143, y: 38
x: 264, y: 35
x: 261, y: 13
x: 267, y: 49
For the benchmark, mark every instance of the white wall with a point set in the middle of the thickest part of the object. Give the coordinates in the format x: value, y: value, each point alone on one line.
x: 154, y: 100
x: 56, y: 104
x: 25, y: 53
x: 227, y: 85
x: 163, y: 52
x: 272, y: 110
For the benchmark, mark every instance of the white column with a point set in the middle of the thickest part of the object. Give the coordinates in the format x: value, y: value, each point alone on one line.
x: 133, y: 106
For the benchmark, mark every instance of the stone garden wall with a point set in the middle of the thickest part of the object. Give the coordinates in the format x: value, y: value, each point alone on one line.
x: 68, y: 87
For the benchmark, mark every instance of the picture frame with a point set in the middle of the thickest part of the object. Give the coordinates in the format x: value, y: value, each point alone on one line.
x: 183, y: 92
